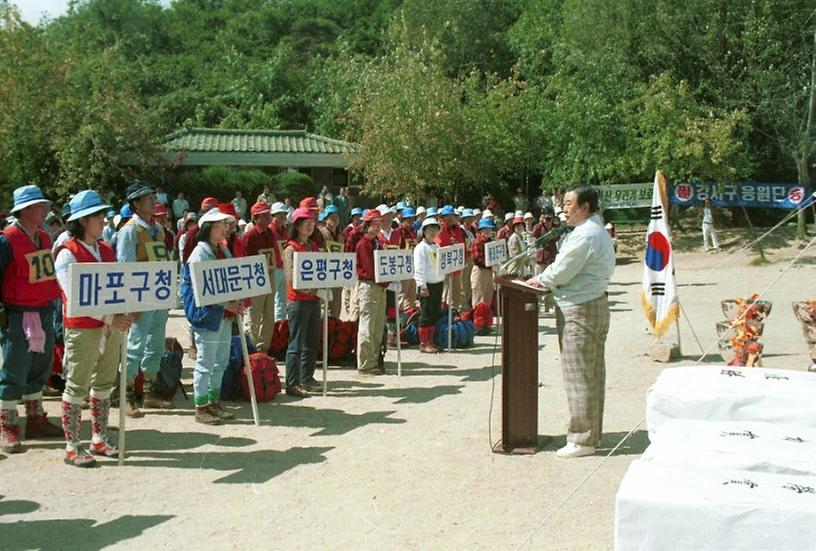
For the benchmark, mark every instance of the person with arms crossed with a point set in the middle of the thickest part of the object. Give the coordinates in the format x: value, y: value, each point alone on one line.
x: 578, y: 280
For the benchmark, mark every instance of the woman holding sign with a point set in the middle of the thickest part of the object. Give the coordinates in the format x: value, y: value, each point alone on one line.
x: 212, y: 325
x: 303, y: 311
x: 429, y: 283
x: 92, y: 344
x: 370, y: 297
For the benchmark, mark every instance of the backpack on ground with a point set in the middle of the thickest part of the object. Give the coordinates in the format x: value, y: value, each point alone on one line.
x: 168, y: 379
x: 231, y: 383
x: 265, y: 378
x: 462, y: 330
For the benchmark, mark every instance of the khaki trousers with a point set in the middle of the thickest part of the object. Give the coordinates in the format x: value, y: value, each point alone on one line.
x: 371, y: 300
x: 87, y: 366
x: 481, y: 284
x: 259, y: 320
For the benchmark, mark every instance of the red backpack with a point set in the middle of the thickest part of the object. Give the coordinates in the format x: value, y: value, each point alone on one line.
x: 482, y: 318
x: 265, y: 378
x: 280, y: 339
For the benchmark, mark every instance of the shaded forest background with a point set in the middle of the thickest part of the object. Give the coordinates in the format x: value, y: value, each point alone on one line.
x: 456, y: 96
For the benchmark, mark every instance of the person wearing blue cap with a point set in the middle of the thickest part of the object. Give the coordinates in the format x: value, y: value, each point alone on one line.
x: 141, y: 239
x: 451, y: 234
x: 329, y: 229
x: 92, y: 344
x: 469, y: 228
x: 29, y: 290
x: 408, y: 241
x: 110, y: 227
x: 481, y: 276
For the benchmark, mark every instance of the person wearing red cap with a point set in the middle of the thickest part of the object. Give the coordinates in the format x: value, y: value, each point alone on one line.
x: 370, y: 297
x: 302, y: 310
x: 260, y: 323
x: 234, y: 242
x: 162, y: 219
x: 516, y: 245
x: 351, y: 236
x: 309, y: 203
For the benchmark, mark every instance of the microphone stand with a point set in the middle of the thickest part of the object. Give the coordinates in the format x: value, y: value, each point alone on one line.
x: 530, y: 250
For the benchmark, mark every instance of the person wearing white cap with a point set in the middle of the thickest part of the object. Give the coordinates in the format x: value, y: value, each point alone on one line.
x: 141, y: 239
x: 391, y: 238
x: 429, y: 284
x: 507, y: 229
x: 92, y: 344
x: 280, y: 214
x: 212, y: 325
x: 29, y: 290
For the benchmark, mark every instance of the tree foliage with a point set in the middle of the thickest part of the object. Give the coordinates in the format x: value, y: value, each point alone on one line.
x: 443, y: 97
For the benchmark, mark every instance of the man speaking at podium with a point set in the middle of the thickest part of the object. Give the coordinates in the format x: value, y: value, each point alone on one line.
x: 578, y: 280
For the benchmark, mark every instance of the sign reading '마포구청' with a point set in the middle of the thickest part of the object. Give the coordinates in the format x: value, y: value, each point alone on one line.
x: 219, y: 281
x: 107, y: 288
x: 393, y: 265
x: 324, y: 270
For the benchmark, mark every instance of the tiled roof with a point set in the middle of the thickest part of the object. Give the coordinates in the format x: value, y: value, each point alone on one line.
x: 253, y: 141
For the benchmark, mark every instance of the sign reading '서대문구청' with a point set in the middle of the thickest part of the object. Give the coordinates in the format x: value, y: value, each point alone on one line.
x: 324, y: 270
x: 219, y: 281
x: 393, y: 265
x: 107, y: 288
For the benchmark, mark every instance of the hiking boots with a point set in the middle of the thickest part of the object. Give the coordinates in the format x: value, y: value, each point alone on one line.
x: 426, y: 344
x: 220, y: 411
x: 41, y: 427
x: 152, y: 399
x: 131, y: 407
x: 9, y: 431
x: 206, y: 416
x: 79, y: 458
x: 297, y: 390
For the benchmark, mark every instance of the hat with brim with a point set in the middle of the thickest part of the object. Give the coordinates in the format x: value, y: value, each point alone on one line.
x: 138, y: 190
x: 356, y: 211
x: 302, y: 213
x: 486, y: 224
x: 408, y: 212
x: 278, y: 208
x: 372, y: 216
x: 85, y: 203
x: 430, y: 221
x: 27, y: 196
x: 215, y: 215
x: 447, y: 210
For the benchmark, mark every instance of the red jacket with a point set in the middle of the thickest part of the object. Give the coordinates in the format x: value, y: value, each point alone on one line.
x: 280, y: 237
x: 365, y: 258
x: 82, y: 254
x: 450, y: 236
x: 260, y: 241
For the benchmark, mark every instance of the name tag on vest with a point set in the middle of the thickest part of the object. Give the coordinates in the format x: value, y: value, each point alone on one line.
x: 40, y: 266
x: 156, y: 251
x: 270, y: 256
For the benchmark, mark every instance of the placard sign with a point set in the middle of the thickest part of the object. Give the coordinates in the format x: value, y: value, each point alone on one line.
x: 106, y: 288
x: 495, y: 252
x: 393, y: 265
x: 219, y: 281
x: 451, y: 259
x: 324, y: 270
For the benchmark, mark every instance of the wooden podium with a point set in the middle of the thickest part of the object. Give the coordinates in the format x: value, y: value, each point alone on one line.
x: 519, y: 319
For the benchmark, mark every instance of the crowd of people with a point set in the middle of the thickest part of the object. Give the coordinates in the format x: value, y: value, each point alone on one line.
x: 37, y: 247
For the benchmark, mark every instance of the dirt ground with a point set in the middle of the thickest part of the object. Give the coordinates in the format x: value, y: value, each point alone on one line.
x: 389, y: 462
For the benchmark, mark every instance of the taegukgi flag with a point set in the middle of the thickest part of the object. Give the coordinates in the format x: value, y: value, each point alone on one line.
x: 659, y: 294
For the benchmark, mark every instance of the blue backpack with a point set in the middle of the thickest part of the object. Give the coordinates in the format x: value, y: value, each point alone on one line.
x: 231, y: 383
x: 463, y: 331
x: 168, y: 379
